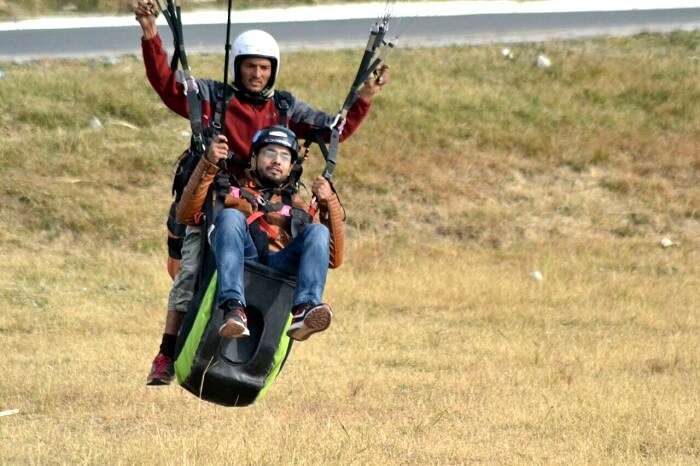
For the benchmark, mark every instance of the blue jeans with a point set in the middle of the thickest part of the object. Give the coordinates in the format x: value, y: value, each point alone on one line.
x: 306, y: 256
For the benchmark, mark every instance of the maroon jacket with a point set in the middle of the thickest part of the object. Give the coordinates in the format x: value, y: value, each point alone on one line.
x: 244, y: 118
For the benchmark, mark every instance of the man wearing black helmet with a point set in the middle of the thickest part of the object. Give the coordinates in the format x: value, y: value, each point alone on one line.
x: 258, y: 226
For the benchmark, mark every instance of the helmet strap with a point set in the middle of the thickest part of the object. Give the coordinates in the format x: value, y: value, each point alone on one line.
x: 253, y: 97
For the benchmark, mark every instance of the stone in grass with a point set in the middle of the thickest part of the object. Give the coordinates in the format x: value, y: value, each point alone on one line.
x: 666, y: 243
x: 537, y: 276
x: 95, y: 123
x: 542, y: 61
x: 111, y: 60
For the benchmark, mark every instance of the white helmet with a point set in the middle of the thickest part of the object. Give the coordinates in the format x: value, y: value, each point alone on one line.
x: 256, y: 43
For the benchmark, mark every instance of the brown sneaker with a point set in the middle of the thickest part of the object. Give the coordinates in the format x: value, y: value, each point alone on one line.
x: 235, y: 321
x: 162, y: 371
x: 308, y: 319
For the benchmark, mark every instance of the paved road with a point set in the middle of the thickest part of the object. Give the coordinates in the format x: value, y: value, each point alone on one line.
x: 466, y: 29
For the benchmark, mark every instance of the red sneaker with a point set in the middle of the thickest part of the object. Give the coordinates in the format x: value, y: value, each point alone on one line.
x: 235, y: 322
x: 162, y: 371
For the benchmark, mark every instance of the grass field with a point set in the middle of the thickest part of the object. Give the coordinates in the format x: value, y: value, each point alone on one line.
x: 471, y: 172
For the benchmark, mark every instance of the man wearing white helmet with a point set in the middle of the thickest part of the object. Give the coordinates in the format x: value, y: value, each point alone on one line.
x: 256, y: 59
x: 255, y: 67
x: 254, y: 104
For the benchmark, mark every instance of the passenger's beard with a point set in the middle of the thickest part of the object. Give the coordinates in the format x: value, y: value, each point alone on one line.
x: 266, y: 182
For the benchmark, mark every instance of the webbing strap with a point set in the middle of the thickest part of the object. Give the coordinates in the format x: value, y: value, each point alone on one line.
x: 195, y: 113
x: 259, y: 216
x: 219, y: 108
x: 282, y: 100
x: 173, y: 16
x: 370, y: 62
x: 254, y: 216
x: 268, y: 207
x: 219, y: 120
x: 332, y: 155
x: 181, y: 42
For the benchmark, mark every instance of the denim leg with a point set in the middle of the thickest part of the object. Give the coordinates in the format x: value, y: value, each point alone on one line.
x: 231, y: 244
x: 306, y: 257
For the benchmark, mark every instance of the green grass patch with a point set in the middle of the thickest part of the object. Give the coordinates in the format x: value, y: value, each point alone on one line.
x: 613, y: 129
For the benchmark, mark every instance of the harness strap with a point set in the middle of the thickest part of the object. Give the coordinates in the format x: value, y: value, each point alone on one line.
x: 283, y: 102
x: 173, y: 16
x: 298, y: 216
x: 259, y: 228
x: 254, y: 216
x: 268, y: 229
x: 332, y: 156
x: 219, y: 109
x: 195, y: 113
x: 371, y: 60
x: 198, y: 216
x: 282, y: 208
x: 313, y: 208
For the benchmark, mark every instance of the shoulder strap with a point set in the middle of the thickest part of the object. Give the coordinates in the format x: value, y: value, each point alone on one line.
x: 219, y: 108
x: 173, y: 16
x: 221, y: 100
x: 300, y: 218
x: 194, y: 105
x: 287, y: 197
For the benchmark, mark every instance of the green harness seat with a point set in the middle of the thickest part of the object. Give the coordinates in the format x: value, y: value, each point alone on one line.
x: 237, y: 371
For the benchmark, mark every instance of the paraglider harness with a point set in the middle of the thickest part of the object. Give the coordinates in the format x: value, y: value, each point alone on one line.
x: 201, y: 135
x: 188, y: 160
x: 232, y: 372
x: 237, y: 372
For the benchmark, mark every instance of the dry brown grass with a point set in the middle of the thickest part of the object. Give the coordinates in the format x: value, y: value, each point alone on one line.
x: 444, y: 350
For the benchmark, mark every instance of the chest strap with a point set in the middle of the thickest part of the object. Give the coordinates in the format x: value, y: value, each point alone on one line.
x: 261, y: 205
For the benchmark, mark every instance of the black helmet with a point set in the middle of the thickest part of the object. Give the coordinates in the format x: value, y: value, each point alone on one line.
x: 279, y: 135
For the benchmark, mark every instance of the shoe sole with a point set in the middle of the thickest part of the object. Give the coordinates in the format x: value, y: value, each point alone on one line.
x: 317, y: 320
x: 158, y: 382
x: 231, y: 329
